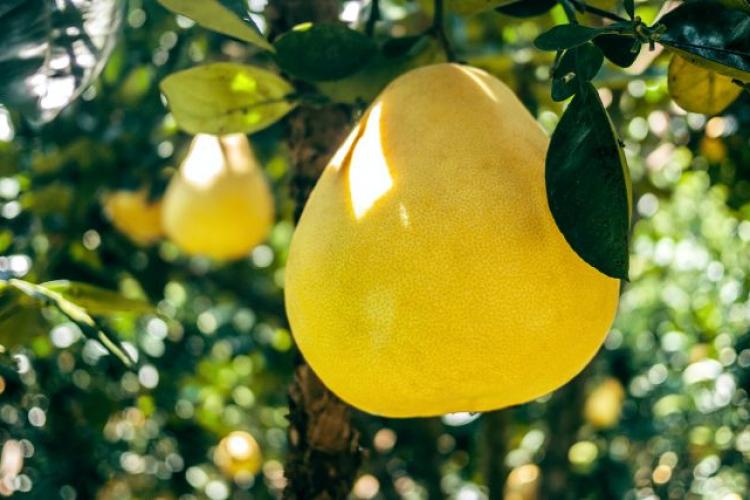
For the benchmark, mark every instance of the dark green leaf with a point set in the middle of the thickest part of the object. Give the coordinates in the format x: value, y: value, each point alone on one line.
x: 710, y: 35
x: 588, y: 185
x: 622, y: 50
x: 630, y: 8
x: 527, y: 8
x: 97, y: 301
x: 398, y: 47
x: 564, y: 81
x: 589, y: 60
x: 566, y: 36
x: 323, y: 52
x: 576, y: 66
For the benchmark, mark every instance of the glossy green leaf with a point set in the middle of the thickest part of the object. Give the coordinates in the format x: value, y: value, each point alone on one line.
x: 566, y: 36
x: 588, y: 185
x: 527, y: 8
x: 323, y: 52
x: 589, y: 60
x: 621, y: 50
x: 220, y: 16
x: 97, y: 301
x: 711, y: 35
x: 576, y: 66
x: 225, y: 98
x: 564, y: 81
x: 629, y: 7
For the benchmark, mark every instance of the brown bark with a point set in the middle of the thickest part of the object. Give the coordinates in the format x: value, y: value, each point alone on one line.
x: 324, y: 453
x: 565, y: 410
x: 494, y: 437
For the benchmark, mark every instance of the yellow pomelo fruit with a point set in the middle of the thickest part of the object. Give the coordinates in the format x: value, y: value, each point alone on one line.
x: 427, y: 275
x: 700, y: 90
x: 219, y: 204
x: 604, y: 404
x: 238, y: 456
x: 134, y: 215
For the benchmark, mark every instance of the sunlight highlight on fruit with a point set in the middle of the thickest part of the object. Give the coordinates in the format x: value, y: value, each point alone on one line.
x: 369, y: 177
x: 219, y: 204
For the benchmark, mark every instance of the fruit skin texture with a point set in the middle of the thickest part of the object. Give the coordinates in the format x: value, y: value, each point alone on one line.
x: 427, y: 275
x: 134, y: 215
x: 219, y: 204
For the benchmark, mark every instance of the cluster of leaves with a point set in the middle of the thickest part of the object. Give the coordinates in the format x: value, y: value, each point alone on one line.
x: 587, y: 177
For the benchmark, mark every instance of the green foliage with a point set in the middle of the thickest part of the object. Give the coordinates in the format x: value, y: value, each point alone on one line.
x: 527, y: 8
x: 224, y: 16
x: 323, y: 52
x: 567, y: 36
x: 720, y: 41
x: 588, y: 186
x: 213, y: 350
x: 226, y: 98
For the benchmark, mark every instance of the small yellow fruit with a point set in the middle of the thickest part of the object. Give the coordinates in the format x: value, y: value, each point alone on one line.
x: 604, y: 404
x: 219, y: 204
x: 713, y: 149
x: 427, y: 275
x: 700, y: 90
x: 238, y: 456
x: 134, y: 215
x: 523, y: 483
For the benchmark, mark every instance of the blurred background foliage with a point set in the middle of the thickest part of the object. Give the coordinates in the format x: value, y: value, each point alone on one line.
x: 662, y: 412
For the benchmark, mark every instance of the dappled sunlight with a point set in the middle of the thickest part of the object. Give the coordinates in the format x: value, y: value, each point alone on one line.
x: 369, y: 177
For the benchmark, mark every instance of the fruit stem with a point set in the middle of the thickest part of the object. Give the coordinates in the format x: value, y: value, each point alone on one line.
x: 374, y: 17
x: 438, y: 31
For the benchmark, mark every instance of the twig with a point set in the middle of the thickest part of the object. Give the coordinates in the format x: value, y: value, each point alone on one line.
x: 374, y: 18
x: 438, y: 31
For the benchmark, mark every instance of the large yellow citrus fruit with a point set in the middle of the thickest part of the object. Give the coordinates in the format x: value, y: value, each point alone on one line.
x: 238, y: 455
x: 134, y: 215
x: 427, y: 274
x: 219, y: 204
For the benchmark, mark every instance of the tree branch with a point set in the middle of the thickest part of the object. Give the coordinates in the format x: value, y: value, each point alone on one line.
x: 438, y: 31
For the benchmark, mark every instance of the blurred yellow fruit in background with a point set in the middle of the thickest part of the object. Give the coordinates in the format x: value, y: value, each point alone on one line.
x: 698, y: 89
x: 713, y: 149
x: 427, y: 275
x: 238, y: 456
x: 135, y: 215
x: 604, y: 404
x: 219, y: 204
x: 523, y: 483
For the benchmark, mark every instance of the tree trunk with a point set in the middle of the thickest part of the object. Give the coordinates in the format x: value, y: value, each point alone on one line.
x: 324, y: 453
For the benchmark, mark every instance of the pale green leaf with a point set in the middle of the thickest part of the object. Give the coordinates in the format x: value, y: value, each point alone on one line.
x: 225, y: 98
x: 212, y: 15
